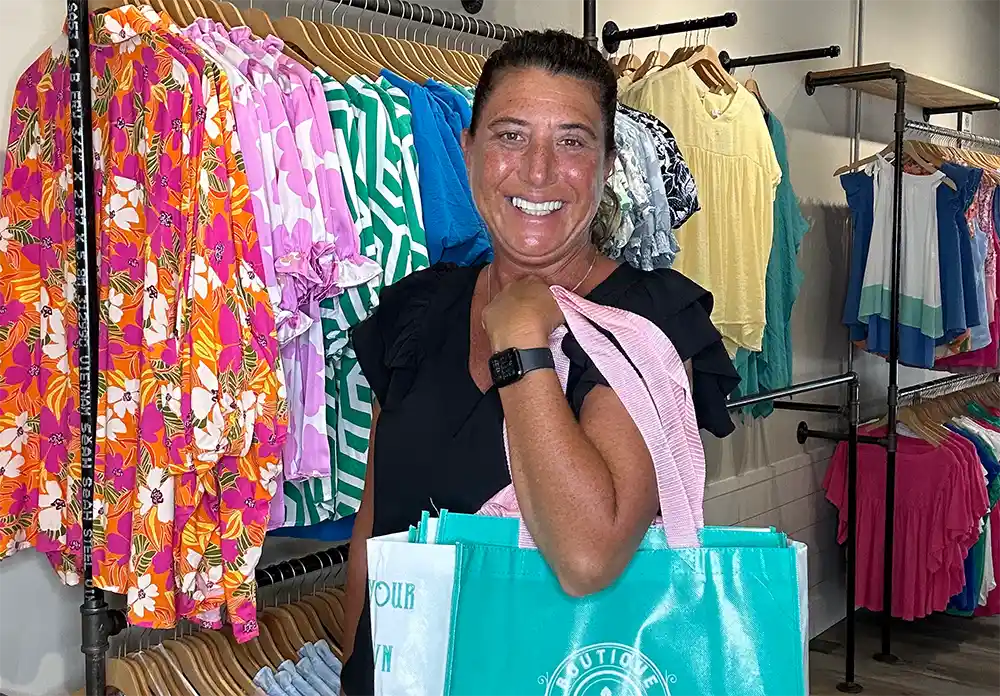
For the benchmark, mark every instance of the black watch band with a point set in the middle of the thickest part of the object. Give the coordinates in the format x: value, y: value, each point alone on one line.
x: 509, y: 366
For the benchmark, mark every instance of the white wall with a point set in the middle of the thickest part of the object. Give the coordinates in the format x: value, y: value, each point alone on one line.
x: 956, y: 40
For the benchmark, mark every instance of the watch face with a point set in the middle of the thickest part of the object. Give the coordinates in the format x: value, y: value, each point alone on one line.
x: 505, y: 367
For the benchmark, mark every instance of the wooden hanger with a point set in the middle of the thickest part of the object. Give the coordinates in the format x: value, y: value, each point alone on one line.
x: 328, y: 619
x: 319, y: 41
x: 706, y: 64
x: 474, y: 66
x: 267, y: 644
x: 105, y: 5
x: 139, y: 674
x: 285, y: 646
x: 176, y: 683
x: 182, y: 11
x: 243, y: 654
x: 184, y: 683
x: 439, y: 60
x: 259, y: 22
x: 337, y: 42
x: 198, y: 8
x: 754, y: 89
x: 213, y: 11
x: 191, y: 667
x: 315, y: 620
x: 378, y: 45
x: 222, y: 664
x: 293, y: 32
x: 210, y: 660
x: 459, y: 66
x: 290, y: 627
x: 886, y: 152
x: 249, y: 654
x: 121, y: 676
x: 233, y: 16
x: 240, y: 676
x: 653, y: 59
x: 303, y: 621
x: 155, y: 680
x: 629, y: 62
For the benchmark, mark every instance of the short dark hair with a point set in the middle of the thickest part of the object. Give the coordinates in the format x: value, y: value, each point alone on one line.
x: 558, y: 53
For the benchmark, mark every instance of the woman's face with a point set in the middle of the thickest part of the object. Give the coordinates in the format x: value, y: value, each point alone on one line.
x: 537, y: 164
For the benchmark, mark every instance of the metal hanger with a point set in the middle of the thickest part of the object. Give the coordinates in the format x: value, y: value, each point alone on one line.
x: 337, y: 40
x: 394, y: 60
x: 318, y: 40
x: 474, y: 69
x: 353, y: 40
x: 293, y: 32
x: 464, y: 66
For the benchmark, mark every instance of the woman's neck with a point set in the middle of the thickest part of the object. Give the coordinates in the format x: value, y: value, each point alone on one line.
x: 568, y: 272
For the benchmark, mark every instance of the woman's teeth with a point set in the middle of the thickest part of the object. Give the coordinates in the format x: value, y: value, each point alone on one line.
x: 537, y: 209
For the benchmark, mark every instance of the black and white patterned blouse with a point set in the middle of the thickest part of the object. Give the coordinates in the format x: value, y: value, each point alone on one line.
x: 682, y: 192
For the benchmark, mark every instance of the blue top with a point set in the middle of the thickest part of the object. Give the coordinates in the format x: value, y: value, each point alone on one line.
x: 951, y: 264
x: 967, y: 181
x: 455, y: 231
x: 455, y: 103
x: 915, y: 349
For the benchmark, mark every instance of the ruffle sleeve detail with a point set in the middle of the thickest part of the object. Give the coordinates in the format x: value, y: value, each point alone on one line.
x: 390, y: 344
x: 682, y: 310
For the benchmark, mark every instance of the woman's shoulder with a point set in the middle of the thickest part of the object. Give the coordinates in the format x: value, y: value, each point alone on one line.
x: 408, y: 306
x: 422, y: 289
x: 661, y: 295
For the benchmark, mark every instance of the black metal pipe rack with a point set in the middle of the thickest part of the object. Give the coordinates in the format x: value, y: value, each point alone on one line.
x: 730, y: 63
x: 93, y: 611
x: 894, y: 394
x: 434, y: 17
x: 612, y: 36
x: 304, y: 565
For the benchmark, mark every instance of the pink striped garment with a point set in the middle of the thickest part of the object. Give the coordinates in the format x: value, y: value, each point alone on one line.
x: 657, y: 395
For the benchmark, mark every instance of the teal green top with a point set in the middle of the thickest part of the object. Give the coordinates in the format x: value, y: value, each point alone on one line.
x: 771, y: 368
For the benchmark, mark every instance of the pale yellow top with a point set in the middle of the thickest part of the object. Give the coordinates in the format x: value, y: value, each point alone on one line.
x: 725, y: 246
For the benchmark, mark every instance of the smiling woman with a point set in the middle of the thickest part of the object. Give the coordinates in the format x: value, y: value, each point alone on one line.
x: 452, y: 353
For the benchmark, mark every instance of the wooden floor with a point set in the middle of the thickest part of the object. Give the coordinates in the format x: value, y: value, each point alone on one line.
x: 940, y: 656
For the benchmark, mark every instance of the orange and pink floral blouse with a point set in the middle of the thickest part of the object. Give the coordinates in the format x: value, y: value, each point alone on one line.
x: 192, y: 412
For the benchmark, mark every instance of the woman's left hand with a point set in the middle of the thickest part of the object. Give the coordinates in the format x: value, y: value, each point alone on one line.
x: 522, y: 315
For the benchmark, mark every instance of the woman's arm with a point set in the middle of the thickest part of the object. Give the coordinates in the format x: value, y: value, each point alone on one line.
x: 357, y: 560
x: 587, y: 489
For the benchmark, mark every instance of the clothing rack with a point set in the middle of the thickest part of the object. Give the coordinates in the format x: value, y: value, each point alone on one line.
x: 302, y: 566
x: 434, y: 17
x: 612, y: 36
x: 964, y: 138
x: 98, y: 622
x: 730, y: 64
x: 890, y: 81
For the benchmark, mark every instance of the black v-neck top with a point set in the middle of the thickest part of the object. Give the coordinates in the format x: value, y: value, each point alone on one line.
x: 439, y: 439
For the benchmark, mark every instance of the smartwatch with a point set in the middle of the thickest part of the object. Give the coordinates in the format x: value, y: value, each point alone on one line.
x: 509, y: 366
